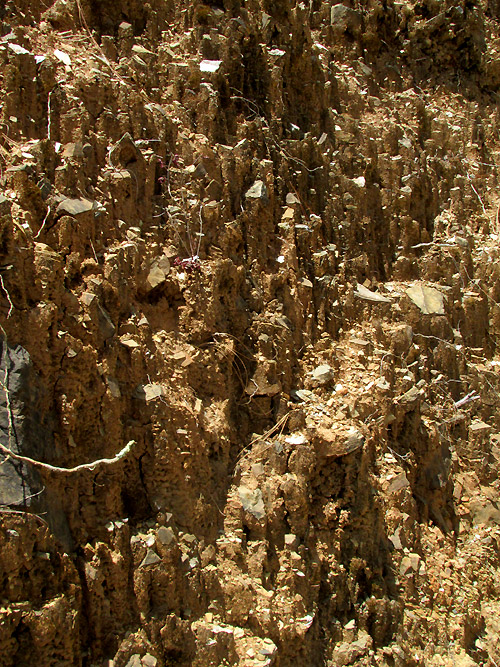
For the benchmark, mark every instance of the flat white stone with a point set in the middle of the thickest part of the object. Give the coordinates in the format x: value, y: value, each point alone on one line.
x: 210, y: 65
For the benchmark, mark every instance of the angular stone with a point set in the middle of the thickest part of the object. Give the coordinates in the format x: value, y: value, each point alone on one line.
x: 125, y: 152
x: 344, y: 18
x: 297, y: 439
x: 323, y: 374
x: 333, y: 443
x: 478, y: 426
x: 353, y: 441
x: 151, y: 558
x: 484, y: 512
x: 395, y: 539
x: 411, y: 397
x: 158, y: 272
x: 302, y: 395
x: 414, y: 561
x: 106, y: 326
x: 210, y: 65
x: 165, y: 535
x: 143, y: 53
x: 405, y: 566
x: 87, y: 298
x: 429, y: 300
x: 75, y: 207
x: 114, y: 387
x: 73, y: 151
x: 128, y: 341
x: 363, y: 293
x: 347, y: 653
x: 252, y: 501
x: 134, y: 661
x: 399, y: 482
x: 257, y: 192
x: 19, y: 50
x: 149, y: 392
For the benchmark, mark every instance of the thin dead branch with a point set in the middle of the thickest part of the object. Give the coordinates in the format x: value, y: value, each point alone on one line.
x: 83, y: 466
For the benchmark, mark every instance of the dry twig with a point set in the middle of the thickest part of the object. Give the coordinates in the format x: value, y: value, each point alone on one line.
x: 83, y: 466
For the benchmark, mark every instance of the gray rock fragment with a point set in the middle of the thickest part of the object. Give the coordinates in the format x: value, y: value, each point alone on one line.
x: 75, y: 206
x: 344, y: 18
x: 363, y: 292
x: 429, y: 300
x: 354, y: 441
x: 125, y: 152
x: 151, y: 558
x: 134, y: 661
x: 106, y: 326
x: 323, y: 374
x: 258, y: 192
x: 252, y: 501
x: 158, y: 272
x: 148, y: 392
x: 165, y: 535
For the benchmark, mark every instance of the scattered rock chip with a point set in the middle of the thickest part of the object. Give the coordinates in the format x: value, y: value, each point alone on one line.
x: 323, y: 374
x: 479, y: 427
x: 397, y: 483
x: 210, y: 65
x: 75, y: 207
x: 151, y: 558
x: 257, y: 192
x: 149, y: 391
x: 158, y: 272
x: 333, y: 443
x: 128, y: 341
x: 363, y: 292
x: 165, y: 535
x: 429, y: 300
x: 344, y: 18
x: 411, y: 397
x: 252, y: 501
x: 134, y: 661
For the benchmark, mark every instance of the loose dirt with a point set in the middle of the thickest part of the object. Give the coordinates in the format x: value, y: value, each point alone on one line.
x: 259, y: 242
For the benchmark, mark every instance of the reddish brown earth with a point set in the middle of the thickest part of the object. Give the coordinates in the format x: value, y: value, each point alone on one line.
x: 259, y: 241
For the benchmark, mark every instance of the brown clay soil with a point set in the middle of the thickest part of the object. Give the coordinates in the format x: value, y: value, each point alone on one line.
x: 258, y: 242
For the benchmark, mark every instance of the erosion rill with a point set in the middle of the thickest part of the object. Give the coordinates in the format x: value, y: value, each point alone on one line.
x: 249, y: 257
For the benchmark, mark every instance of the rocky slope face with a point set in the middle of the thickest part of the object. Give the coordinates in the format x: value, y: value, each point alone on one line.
x: 258, y: 240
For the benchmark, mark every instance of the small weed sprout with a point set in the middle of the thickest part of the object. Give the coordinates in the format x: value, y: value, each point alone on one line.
x: 177, y: 213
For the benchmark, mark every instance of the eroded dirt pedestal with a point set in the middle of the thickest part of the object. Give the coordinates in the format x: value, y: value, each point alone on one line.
x: 259, y: 240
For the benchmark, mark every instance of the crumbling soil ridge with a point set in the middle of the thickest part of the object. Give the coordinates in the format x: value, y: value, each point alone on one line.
x: 259, y: 241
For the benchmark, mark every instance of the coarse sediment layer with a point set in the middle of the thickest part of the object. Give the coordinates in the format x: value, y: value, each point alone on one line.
x: 258, y: 240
